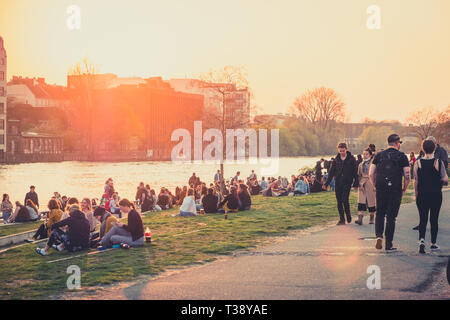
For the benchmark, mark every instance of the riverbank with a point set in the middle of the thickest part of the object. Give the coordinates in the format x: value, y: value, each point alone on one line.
x: 176, y: 242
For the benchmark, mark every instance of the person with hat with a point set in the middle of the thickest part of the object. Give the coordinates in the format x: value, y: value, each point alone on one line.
x: 106, y: 219
x: 386, y: 173
x: 32, y: 195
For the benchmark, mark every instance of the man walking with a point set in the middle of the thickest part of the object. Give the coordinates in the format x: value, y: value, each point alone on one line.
x: 344, y: 170
x: 386, y: 172
x: 32, y: 195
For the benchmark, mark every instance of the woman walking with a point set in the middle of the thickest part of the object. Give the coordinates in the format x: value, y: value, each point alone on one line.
x: 366, y: 190
x: 430, y: 175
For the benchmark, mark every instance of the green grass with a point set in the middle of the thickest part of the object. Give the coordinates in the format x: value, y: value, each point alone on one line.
x: 27, y: 275
x: 7, y: 230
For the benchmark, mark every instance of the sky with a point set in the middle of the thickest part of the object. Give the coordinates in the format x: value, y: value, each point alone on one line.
x: 287, y: 47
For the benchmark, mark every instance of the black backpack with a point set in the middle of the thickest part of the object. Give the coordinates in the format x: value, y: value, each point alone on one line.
x: 388, y: 175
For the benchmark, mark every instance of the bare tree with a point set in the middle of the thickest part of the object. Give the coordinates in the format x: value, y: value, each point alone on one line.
x: 320, y: 107
x: 423, y: 122
x: 83, y: 84
x: 442, y: 132
x: 225, y: 83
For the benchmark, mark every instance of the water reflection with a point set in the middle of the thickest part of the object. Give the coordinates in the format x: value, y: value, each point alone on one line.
x: 86, y: 179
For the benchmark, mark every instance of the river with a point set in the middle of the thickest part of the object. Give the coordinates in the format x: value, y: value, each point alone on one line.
x: 86, y: 179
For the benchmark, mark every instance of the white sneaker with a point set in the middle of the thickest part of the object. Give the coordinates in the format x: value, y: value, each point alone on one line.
x: 41, y: 251
x: 434, y: 246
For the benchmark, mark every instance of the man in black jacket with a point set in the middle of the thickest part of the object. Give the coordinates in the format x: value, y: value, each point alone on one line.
x: 32, y: 195
x: 76, y: 239
x: 344, y: 170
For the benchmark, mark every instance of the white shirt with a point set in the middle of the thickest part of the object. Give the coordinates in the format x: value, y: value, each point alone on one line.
x: 188, y: 205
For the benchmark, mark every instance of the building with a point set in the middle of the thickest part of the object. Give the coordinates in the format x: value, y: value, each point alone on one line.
x: 37, y: 93
x: 31, y: 146
x: 3, y: 98
x: 135, y: 122
x: 237, y: 100
x: 102, y: 81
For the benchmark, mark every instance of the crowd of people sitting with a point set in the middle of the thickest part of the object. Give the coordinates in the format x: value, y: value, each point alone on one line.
x: 73, y: 225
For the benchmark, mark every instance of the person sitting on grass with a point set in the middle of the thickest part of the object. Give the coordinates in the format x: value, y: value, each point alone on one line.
x: 54, y: 216
x: 231, y: 201
x: 131, y: 234
x: 75, y: 239
x: 210, y: 201
x: 301, y: 187
x: 245, y: 201
x: 33, y: 210
x: 188, y: 207
x: 107, y: 222
x: 23, y: 214
x: 86, y: 208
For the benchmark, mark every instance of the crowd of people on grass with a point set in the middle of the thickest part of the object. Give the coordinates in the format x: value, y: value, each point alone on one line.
x: 380, y: 178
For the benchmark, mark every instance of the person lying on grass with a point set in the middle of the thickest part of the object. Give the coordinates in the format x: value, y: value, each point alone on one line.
x: 75, y: 239
x: 131, y: 233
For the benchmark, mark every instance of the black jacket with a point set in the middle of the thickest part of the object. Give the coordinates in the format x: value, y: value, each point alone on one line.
x: 135, y: 225
x: 441, y: 153
x: 246, y: 200
x: 231, y: 201
x: 33, y: 196
x: 79, y: 229
x: 209, y: 203
x: 344, y: 172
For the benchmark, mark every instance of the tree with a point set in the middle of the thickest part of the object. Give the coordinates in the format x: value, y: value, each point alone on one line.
x: 423, y: 121
x: 320, y: 107
x: 225, y: 83
x: 83, y: 85
x: 376, y: 135
x: 442, y: 131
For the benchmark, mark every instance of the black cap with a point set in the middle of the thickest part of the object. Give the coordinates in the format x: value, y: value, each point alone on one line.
x: 394, y: 138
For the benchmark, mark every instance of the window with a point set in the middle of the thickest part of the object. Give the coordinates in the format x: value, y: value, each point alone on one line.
x: 2, y: 61
x: 2, y: 91
x: 2, y: 124
x: 2, y: 107
x: 2, y: 75
x: 2, y: 139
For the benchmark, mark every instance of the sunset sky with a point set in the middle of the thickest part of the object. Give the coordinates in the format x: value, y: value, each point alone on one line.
x: 286, y: 46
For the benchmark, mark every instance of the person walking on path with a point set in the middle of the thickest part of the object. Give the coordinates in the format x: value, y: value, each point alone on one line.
x: 366, y: 194
x: 344, y: 170
x: 386, y: 173
x: 430, y: 175
x: 32, y: 195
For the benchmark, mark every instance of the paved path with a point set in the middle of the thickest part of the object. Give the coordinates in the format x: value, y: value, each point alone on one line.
x: 327, y: 264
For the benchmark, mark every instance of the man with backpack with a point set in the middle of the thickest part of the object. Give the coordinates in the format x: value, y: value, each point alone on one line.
x: 386, y: 174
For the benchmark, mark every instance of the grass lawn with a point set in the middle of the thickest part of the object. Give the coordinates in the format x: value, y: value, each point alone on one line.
x: 177, y: 241
x: 6, y: 230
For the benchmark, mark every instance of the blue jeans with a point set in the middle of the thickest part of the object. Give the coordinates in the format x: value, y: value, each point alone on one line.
x: 187, y: 214
x: 6, y: 215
